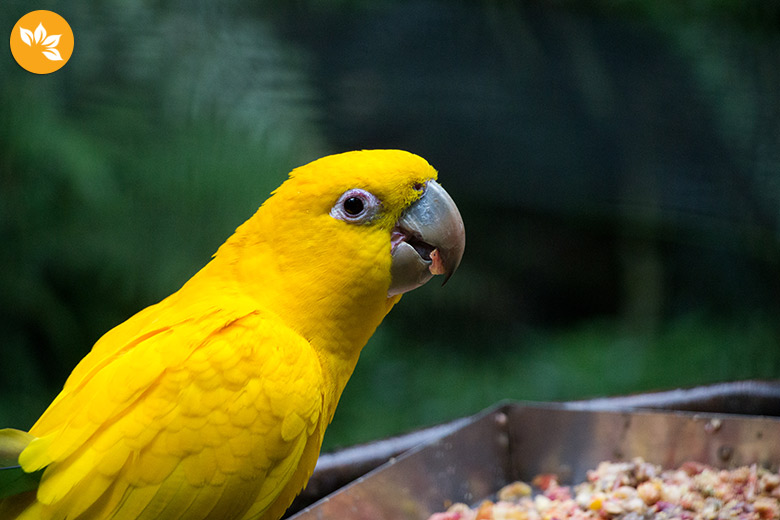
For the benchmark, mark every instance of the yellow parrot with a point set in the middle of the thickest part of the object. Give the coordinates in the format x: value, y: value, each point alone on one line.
x: 212, y: 404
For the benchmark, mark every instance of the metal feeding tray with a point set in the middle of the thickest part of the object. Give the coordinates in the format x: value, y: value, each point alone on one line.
x: 472, y: 458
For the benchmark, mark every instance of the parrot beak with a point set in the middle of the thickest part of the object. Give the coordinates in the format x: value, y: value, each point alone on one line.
x: 428, y: 239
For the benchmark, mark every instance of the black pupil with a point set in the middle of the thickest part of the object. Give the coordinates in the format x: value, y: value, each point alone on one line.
x: 353, y: 206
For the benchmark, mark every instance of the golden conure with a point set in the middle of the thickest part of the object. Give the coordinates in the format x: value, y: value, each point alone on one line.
x: 212, y: 404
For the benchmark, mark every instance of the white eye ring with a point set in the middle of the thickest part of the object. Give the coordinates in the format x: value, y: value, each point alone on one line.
x: 356, y: 206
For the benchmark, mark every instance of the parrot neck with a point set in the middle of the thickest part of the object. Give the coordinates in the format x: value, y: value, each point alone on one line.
x: 335, y: 313
x: 337, y: 331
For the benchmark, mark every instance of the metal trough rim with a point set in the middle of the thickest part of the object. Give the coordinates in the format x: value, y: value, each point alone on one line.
x: 511, y: 440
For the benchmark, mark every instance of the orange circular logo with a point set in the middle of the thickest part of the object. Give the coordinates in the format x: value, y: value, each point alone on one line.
x: 42, y: 42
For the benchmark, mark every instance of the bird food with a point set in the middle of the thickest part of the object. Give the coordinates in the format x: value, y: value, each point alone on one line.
x: 635, y: 490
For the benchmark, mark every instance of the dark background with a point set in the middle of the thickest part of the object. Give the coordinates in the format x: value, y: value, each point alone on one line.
x: 617, y: 165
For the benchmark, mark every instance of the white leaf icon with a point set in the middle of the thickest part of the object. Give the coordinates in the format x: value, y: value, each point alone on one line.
x: 52, y: 41
x: 27, y: 36
x: 40, y: 33
x: 52, y: 54
x: 40, y: 37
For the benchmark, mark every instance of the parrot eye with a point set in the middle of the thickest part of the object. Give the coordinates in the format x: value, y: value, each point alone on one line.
x: 353, y: 206
x: 356, y: 206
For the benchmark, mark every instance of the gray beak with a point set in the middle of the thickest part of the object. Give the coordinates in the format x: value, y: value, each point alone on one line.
x: 428, y: 239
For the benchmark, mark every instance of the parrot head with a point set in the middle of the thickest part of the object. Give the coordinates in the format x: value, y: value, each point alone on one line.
x: 389, y: 194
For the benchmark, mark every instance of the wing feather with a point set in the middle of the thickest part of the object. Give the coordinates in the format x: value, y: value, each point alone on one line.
x: 194, y: 418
